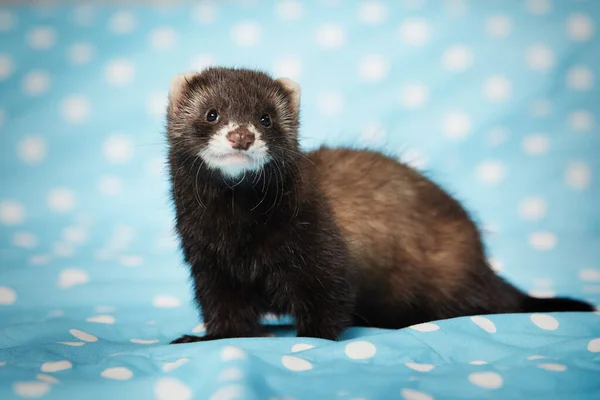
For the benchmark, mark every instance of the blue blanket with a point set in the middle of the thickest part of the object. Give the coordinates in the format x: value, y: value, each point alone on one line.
x: 496, y: 101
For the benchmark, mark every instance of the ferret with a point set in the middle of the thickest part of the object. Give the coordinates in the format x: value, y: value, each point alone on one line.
x: 334, y: 238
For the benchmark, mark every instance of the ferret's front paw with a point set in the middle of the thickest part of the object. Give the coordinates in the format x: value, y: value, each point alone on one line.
x: 189, y: 339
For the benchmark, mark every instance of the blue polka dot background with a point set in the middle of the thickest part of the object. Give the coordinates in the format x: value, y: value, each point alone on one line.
x: 497, y: 101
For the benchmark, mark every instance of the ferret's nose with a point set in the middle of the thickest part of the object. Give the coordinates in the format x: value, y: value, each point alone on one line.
x: 240, y: 138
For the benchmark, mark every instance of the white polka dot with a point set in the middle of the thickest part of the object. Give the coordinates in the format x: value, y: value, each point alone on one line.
x: 414, y: 96
x: 170, y: 366
x: 594, y: 345
x: 24, y: 239
x: 232, y: 353
x: 11, y: 212
x: 75, y: 109
x: 415, y: 32
x: 117, y: 373
x: 457, y: 57
x: 7, y: 296
x: 538, y: 7
x: 47, y: 378
x: 6, y: 66
x: 144, y: 341
x: 456, y: 125
x: 86, y: 337
x: 590, y: 275
x: 231, y: 374
x: 487, y: 380
x: 36, y: 83
x: 41, y: 38
x: 496, y: 264
x: 540, y: 57
x: 373, y: 68
x: 552, y: 367
x: 581, y: 121
x: 289, y: 67
x: 117, y: 149
x: 484, y: 323
x: 542, y: 240
x: 542, y: 293
x: 246, y: 34
x: 415, y: 158
x: 295, y: 363
x: 56, y: 313
x: 536, y: 144
x: 102, y: 319
x: 289, y: 10
x: 75, y: 234
x: 232, y: 392
x: 412, y: 394
x: 56, y: 366
x: 110, y: 185
x: 330, y: 103
x: 165, y: 301
x: 373, y: 134
x: 544, y: 321
x: 498, y: 26
x: 119, y: 72
x: 578, y: 175
x: 39, y: 259
x: 478, y: 362
x: 63, y: 250
x: 72, y: 277
x: 61, y: 200
x: 7, y: 20
x: 80, y: 53
x: 31, y: 389
x: 330, y: 36
x: 425, y: 327
x: 536, y: 357
x: 199, y: 328
x: 32, y: 149
x: 497, y: 88
x: 420, y: 367
x: 580, y: 27
x: 580, y: 78
x: 122, y: 22
x: 301, y: 347
x: 205, y: 12
x: 360, y: 350
x: 157, y: 104
x: 373, y: 12
x: 163, y: 38
x: 533, y: 208
x: 202, y: 61
x: 491, y: 172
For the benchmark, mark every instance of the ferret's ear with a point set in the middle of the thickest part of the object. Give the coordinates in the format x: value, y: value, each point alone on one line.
x: 179, y: 84
x: 293, y: 90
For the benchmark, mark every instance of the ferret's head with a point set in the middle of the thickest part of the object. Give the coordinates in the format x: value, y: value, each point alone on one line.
x: 235, y: 120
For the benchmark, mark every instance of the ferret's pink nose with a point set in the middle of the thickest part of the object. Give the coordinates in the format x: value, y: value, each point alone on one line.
x: 240, y: 138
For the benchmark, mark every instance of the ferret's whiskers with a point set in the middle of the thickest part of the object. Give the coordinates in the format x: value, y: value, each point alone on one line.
x: 196, y: 193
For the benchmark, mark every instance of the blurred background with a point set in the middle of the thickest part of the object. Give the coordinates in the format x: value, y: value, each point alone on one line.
x: 498, y: 101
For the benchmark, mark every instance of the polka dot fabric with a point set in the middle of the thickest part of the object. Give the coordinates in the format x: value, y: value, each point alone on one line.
x: 497, y: 101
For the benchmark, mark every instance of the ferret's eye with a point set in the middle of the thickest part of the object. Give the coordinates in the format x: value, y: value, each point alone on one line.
x: 212, y: 115
x: 265, y: 120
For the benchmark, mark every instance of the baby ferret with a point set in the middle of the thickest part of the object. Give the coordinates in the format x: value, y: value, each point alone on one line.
x: 333, y: 237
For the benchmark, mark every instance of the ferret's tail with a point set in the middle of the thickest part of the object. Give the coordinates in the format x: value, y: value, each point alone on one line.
x: 533, y: 304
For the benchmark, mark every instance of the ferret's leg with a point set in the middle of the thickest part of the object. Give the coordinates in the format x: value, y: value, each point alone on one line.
x: 322, y: 312
x: 228, y: 312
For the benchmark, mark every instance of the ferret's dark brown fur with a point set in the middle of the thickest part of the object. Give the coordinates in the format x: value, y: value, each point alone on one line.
x: 333, y: 237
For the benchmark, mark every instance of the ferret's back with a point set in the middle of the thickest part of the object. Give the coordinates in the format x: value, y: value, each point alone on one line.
x: 405, y: 233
